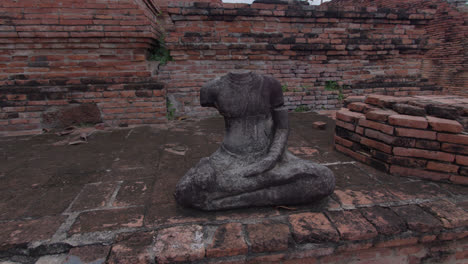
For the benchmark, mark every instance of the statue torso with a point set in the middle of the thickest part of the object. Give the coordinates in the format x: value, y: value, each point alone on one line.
x: 245, y: 102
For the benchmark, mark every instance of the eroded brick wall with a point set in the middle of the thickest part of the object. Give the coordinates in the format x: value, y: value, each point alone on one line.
x: 446, y: 61
x: 56, y: 53
x: 370, y: 50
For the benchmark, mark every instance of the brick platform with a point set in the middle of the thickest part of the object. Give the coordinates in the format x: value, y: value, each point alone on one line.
x: 420, y: 136
x: 110, y: 201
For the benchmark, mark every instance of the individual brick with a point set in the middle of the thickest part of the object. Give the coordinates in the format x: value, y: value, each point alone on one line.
x: 357, y: 107
x: 444, y: 125
x: 131, y: 248
x: 360, y: 130
x: 343, y: 142
x: 422, y: 153
x: 353, y: 154
x: 459, y: 179
x: 312, y: 227
x: 385, y: 220
x: 415, y: 133
x: 417, y: 219
x: 352, y: 225
x: 408, y: 162
x: 443, y: 167
x: 379, y: 115
x: 345, y: 125
x: 376, y: 145
x: 451, y: 138
x: 360, y: 107
x: 380, y: 136
x: 268, y: 236
x: 462, y: 160
x: 455, y: 148
x: 319, y: 125
x: 377, y: 126
x: 427, y: 144
x: 406, y: 109
x: 348, y: 116
x: 430, y: 175
x: 352, y: 99
x: 408, y: 121
x: 443, y: 111
x: 227, y: 241
x: 450, y: 214
x: 180, y: 243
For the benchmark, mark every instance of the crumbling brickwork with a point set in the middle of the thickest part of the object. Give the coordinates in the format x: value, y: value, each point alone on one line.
x: 57, y: 53
x: 365, y: 50
x: 61, y: 53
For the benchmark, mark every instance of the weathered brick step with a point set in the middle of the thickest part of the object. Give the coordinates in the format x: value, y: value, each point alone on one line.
x: 363, y: 233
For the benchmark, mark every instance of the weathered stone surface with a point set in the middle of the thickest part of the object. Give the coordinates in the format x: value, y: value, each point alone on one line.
x: 133, y: 193
x: 417, y: 219
x: 252, y: 168
x: 132, y: 249
x: 104, y: 220
x: 179, y: 244
x: 312, y: 227
x: 385, y: 220
x: 71, y: 115
x: 352, y: 225
x: 94, y: 195
x: 95, y: 254
x: 268, y: 236
x: 451, y: 215
x: 406, y: 109
x: 227, y: 240
x: 23, y: 232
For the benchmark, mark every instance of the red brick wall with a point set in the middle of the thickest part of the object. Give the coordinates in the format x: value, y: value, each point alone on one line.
x: 53, y: 53
x: 446, y: 61
x: 371, y: 50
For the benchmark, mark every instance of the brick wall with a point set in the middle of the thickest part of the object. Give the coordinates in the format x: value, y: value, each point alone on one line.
x: 446, y: 61
x: 408, y: 136
x: 61, y: 53
x: 368, y: 49
x: 57, y: 53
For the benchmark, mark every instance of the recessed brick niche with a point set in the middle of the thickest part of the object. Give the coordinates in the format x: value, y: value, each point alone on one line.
x: 419, y: 136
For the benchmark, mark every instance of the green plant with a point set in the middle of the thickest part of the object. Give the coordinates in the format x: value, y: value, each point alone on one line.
x: 301, y: 108
x: 284, y: 87
x: 334, y: 86
x: 160, y: 52
x: 170, y: 110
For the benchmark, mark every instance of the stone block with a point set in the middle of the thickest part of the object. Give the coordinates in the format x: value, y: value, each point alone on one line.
x: 417, y: 219
x: 444, y: 125
x: 268, y: 236
x: 227, y: 240
x: 179, y: 244
x: 352, y: 225
x: 406, y: 109
x: 450, y: 214
x: 408, y: 121
x: 312, y: 228
x: 385, y: 220
x: 380, y: 115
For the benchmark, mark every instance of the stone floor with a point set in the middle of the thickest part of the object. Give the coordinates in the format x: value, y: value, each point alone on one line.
x: 111, y: 200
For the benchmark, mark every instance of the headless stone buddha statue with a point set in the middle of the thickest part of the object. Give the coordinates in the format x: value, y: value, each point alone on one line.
x: 252, y: 166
